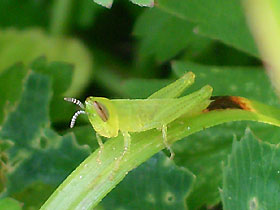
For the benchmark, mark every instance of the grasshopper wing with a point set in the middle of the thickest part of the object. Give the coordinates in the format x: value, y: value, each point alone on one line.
x: 140, y: 115
x: 176, y: 88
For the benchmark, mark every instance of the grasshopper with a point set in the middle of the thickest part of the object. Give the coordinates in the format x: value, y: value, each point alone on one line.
x: 109, y: 117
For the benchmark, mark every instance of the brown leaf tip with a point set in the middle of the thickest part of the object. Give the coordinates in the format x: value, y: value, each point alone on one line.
x: 229, y: 102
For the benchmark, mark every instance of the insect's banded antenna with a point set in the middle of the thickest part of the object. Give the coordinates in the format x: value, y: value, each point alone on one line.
x: 73, y: 120
x: 75, y: 101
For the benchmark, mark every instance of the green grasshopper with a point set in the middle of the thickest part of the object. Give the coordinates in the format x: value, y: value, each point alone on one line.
x: 108, y: 117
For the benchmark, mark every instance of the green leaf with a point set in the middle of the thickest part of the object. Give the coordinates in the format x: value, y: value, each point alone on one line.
x: 36, y: 148
x: 225, y: 80
x: 16, y: 74
x: 167, y: 189
x: 49, y: 167
x: 176, y: 37
x: 9, y: 203
x: 18, y: 127
x: 104, y: 3
x: 60, y: 83
x: 251, y: 178
x: 212, y: 19
x: 213, y: 145
x: 143, y: 3
x: 25, y: 46
x: 237, y: 81
x: 33, y: 195
x: 205, y: 153
x: 108, y: 3
x: 4, y: 146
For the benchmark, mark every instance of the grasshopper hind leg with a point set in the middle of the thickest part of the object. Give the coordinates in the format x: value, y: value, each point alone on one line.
x: 165, y: 142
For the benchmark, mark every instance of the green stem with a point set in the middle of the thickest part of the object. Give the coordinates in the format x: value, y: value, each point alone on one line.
x: 59, y: 23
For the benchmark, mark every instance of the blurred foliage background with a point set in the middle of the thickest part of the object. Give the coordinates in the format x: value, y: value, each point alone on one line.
x: 51, y: 49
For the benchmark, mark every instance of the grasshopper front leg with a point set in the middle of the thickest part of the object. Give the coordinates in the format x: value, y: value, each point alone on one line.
x: 127, y: 142
x: 165, y: 142
x: 101, y: 147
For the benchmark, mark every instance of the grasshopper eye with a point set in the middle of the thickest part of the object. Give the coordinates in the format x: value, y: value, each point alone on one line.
x: 101, y: 111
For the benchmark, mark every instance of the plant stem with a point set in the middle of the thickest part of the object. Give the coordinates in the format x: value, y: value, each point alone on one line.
x: 59, y: 23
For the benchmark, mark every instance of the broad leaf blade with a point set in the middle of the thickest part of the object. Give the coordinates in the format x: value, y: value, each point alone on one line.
x: 143, y: 3
x: 251, y: 178
x: 11, y: 79
x: 243, y: 81
x: 34, y: 104
x: 212, y: 19
x: 45, y: 169
x: 60, y: 84
x: 35, y: 149
x: 14, y: 76
x: 104, y: 3
x: 177, y: 34
x: 108, y: 3
x: 250, y: 82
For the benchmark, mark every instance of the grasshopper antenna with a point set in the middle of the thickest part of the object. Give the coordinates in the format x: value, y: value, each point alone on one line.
x: 73, y: 120
x: 75, y: 101
x: 75, y: 116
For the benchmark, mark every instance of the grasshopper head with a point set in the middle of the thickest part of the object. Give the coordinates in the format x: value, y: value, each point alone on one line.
x: 102, y: 116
